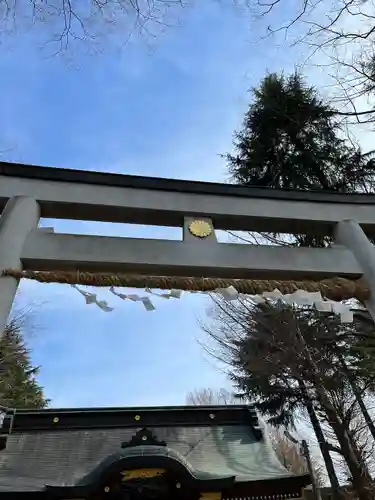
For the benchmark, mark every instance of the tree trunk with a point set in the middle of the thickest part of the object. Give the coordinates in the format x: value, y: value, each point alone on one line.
x: 323, y: 445
x: 358, y: 397
x: 315, y: 487
x: 360, y: 477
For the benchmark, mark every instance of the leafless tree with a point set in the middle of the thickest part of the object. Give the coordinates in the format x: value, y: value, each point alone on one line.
x: 349, y: 411
x: 208, y: 397
x: 290, y: 364
x: 64, y: 21
x: 341, y: 34
x: 58, y: 23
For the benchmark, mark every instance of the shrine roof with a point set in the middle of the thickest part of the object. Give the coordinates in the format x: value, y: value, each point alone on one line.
x: 71, y: 447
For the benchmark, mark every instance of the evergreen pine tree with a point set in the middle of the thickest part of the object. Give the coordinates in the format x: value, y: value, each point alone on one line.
x: 18, y: 385
x: 291, y: 140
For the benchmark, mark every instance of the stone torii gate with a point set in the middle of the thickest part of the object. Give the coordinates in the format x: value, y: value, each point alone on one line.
x: 30, y: 192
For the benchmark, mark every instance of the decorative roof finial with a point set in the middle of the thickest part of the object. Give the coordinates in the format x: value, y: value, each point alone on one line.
x: 142, y: 438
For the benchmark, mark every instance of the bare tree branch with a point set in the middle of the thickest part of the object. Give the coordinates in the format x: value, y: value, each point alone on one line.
x: 64, y: 21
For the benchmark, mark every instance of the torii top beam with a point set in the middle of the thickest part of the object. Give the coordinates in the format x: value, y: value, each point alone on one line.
x: 84, y: 195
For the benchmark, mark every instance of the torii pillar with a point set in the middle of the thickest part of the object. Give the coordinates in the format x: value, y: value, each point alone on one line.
x: 20, y: 216
x: 350, y: 234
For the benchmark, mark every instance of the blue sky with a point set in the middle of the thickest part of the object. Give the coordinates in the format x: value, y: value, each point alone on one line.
x: 166, y: 109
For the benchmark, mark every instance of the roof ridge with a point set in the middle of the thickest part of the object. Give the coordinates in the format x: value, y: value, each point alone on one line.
x: 110, y: 409
x: 24, y: 420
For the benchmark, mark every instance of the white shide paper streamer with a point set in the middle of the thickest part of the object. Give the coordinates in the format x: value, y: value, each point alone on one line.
x: 300, y: 297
